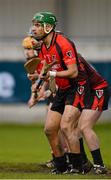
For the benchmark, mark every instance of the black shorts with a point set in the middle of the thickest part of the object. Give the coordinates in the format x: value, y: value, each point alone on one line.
x: 99, y: 99
x: 49, y: 99
x: 74, y: 95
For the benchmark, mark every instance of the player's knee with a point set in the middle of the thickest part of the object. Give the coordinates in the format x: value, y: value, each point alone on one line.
x: 67, y: 124
x: 65, y: 128
x: 84, y: 129
x: 48, y: 131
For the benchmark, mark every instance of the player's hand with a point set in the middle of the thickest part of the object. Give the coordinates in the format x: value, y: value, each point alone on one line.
x: 35, y: 97
x: 29, y: 53
x: 32, y: 101
x: 44, y: 77
x: 32, y: 77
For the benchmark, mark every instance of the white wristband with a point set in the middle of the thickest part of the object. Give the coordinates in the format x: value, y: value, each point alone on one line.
x: 52, y: 73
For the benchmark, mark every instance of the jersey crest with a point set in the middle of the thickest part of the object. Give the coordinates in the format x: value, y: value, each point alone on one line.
x: 99, y: 93
x: 69, y: 54
x: 80, y: 89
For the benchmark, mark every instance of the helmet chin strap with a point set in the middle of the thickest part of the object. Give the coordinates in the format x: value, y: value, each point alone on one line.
x: 47, y: 32
x: 45, y: 29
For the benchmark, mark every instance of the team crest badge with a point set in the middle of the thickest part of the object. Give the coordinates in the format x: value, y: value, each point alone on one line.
x: 80, y: 89
x: 69, y: 54
x: 99, y: 93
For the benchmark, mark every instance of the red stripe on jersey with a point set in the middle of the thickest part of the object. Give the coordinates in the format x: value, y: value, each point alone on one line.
x: 98, y: 103
x: 82, y: 101
x: 76, y: 100
x: 95, y: 103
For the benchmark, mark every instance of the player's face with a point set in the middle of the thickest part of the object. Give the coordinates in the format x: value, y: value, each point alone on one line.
x: 38, y: 30
x: 29, y: 53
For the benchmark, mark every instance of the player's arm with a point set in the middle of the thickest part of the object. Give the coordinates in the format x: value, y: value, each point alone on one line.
x: 70, y: 63
x: 71, y: 72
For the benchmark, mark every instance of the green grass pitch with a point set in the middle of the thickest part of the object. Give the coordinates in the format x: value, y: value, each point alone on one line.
x: 24, y: 147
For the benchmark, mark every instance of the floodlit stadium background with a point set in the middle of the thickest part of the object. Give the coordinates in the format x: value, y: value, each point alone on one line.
x: 86, y: 22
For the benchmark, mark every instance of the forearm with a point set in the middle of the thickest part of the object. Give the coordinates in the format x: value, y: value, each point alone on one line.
x: 66, y: 74
x: 70, y: 72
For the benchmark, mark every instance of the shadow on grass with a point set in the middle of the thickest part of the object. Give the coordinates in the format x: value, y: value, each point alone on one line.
x: 24, y: 168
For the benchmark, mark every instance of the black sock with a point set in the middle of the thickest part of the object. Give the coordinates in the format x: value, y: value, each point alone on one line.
x: 60, y: 163
x: 97, y: 158
x: 75, y: 160
x: 82, y: 150
x: 67, y: 157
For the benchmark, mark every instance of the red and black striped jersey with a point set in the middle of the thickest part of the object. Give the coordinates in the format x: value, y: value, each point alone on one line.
x: 60, y: 49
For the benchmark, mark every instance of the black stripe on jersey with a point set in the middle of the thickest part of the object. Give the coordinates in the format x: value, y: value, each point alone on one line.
x: 53, y: 39
x: 59, y: 50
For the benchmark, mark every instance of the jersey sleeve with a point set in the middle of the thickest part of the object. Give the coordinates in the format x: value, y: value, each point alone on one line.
x: 69, y: 54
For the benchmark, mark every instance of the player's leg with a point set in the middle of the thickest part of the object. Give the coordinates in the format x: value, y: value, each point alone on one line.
x: 70, y: 131
x: 65, y: 148
x: 87, y: 120
x: 98, y: 102
x: 68, y: 127
x: 51, y: 129
x: 86, y: 163
x: 52, y: 126
x: 63, y: 142
x: 86, y: 124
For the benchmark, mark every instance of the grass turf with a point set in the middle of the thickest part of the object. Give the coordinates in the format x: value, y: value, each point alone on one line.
x: 25, y: 147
